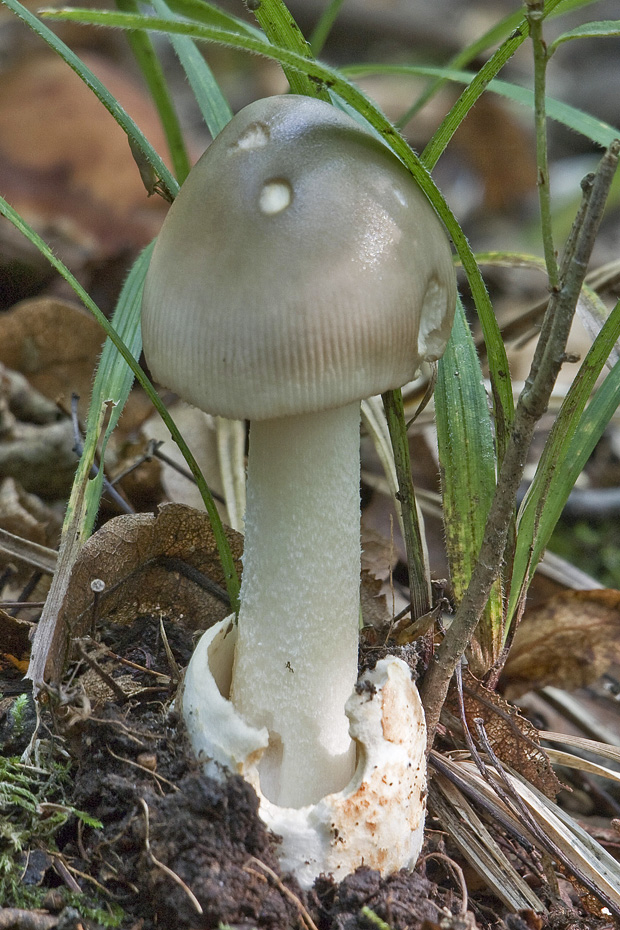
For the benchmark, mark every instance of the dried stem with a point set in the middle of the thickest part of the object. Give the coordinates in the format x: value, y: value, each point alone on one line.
x: 535, y: 14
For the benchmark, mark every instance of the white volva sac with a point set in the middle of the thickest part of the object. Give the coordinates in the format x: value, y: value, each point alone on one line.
x: 377, y: 819
x: 300, y: 270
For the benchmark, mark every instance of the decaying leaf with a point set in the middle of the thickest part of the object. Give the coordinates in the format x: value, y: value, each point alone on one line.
x: 514, y: 739
x: 26, y: 516
x: 54, y: 343
x: 139, y: 564
x: 568, y: 641
x: 374, y: 603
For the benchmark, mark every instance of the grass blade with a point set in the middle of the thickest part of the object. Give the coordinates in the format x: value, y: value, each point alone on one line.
x: 570, y: 443
x: 212, y: 103
x: 465, y: 435
x: 598, y: 30
x: 281, y: 29
x: 148, y: 62
x: 324, y: 26
x: 199, y: 11
x: 589, y: 126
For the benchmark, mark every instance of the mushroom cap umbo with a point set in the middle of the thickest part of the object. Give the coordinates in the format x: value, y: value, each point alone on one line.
x: 299, y: 268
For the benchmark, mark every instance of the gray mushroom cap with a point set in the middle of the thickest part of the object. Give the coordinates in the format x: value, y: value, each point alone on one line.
x: 299, y: 268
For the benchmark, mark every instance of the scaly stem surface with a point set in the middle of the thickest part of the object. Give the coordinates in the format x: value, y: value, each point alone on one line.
x: 296, y: 655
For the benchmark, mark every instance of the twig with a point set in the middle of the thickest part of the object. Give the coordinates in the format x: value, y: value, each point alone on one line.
x: 32, y: 553
x: 78, y: 448
x: 155, y: 452
x: 107, y: 679
x: 458, y: 871
x: 14, y: 918
x: 143, y: 768
x: 535, y: 14
x: 305, y: 916
x: 531, y: 406
x: 63, y: 870
x: 164, y: 868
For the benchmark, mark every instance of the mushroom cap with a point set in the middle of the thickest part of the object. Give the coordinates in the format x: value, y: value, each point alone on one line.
x: 299, y: 268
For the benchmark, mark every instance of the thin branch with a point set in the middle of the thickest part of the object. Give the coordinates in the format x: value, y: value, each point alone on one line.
x: 164, y: 868
x: 535, y: 14
x: 305, y: 916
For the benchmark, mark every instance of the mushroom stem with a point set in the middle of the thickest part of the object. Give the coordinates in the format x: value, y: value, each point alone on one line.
x: 296, y: 655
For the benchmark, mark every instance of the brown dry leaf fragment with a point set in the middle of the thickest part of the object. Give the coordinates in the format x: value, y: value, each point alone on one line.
x: 54, y: 343
x: 374, y: 604
x: 143, y: 564
x: 26, y: 516
x: 514, y: 739
x: 568, y: 641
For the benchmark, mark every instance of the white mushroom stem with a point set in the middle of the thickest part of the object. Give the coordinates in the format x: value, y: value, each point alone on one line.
x: 296, y: 655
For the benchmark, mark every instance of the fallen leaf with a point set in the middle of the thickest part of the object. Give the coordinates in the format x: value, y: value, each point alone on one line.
x: 54, y: 344
x: 27, y: 517
x: 144, y: 564
x: 514, y: 739
x: 568, y: 641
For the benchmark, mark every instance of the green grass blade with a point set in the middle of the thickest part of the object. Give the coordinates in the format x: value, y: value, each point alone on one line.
x: 419, y: 576
x: 212, y: 103
x: 497, y: 34
x: 224, y: 552
x: 199, y: 11
x: 148, y: 62
x: 589, y: 126
x: 114, y: 378
x: 598, y: 30
x: 571, y: 441
x: 465, y: 436
x: 475, y: 88
x: 134, y: 134
x: 282, y: 30
x: 324, y: 26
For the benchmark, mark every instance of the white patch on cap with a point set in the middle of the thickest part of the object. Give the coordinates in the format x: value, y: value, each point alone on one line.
x: 275, y: 197
x: 255, y: 136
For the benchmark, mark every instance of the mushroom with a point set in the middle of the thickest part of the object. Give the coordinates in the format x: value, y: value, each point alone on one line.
x: 299, y: 270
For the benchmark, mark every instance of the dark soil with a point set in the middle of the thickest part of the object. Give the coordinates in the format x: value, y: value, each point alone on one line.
x: 180, y: 851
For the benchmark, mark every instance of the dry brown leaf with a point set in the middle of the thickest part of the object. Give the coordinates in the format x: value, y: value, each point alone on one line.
x: 55, y: 344
x: 374, y: 603
x: 144, y: 564
x: 567, y: 641
x: 514, y: 739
